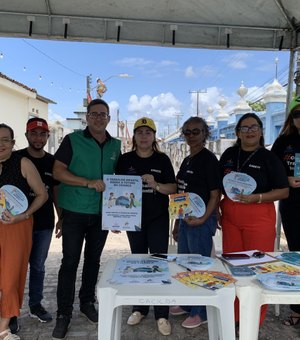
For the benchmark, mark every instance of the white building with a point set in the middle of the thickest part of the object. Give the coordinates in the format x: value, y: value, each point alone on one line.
x: 18, y: 103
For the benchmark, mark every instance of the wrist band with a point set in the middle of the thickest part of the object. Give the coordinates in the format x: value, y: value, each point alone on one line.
x: 260, y: 198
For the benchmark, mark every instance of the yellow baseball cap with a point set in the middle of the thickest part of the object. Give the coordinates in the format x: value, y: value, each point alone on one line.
x: 144, y: 121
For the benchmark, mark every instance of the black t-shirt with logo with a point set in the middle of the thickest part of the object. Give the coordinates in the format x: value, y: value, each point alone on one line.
x: 43, y: 218
x: 154, y: 204
x: 285, y: 147
x: 263, y: 166
x: 199, y: 174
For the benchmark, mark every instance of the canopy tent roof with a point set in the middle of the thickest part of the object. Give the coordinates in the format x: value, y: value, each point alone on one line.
x: 214, y: 24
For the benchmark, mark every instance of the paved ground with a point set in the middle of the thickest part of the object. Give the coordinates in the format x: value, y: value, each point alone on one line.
x: 117, y: 246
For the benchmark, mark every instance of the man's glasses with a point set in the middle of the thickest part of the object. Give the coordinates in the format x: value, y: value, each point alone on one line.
x: 95, y: 115
x: 252, y: 128
x: 193, y: 132
x: 295, y: 114
x: 5, y: 140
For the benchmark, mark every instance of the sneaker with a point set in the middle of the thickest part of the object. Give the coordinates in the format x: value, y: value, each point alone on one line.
x: 14, y: 325
x: 61, y: 328
x: 39, y: 312
x: 177, y: 310
x: 164, y: 326
x: 89, y: 311
x: 8, y: 335
x: 135, y: 318
x: 193, y: 322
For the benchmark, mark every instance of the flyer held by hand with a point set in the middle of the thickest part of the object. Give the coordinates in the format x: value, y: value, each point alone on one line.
x: 186, y: 204
x: 15, y: 200
x: 236, y: 183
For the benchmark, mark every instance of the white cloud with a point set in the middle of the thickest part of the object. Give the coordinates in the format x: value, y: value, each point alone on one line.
x: 238, y: 60
x: 55, y: 117
x: 161, y: 108
x: 190, y: 72
x: 133, y: 62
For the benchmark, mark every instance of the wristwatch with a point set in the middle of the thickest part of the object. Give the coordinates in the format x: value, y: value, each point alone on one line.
x: 27, y: 216
x: 157, y: 187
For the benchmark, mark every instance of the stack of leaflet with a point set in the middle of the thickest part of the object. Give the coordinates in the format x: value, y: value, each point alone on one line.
x: 195, y: 262
x: 290, y: 257
x: 280, y: 281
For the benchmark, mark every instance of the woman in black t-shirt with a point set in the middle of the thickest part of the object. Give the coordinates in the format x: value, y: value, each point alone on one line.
x: 248, y: 221
x: 158, y: 177
x: 199, y: 174
x: 287, y: 148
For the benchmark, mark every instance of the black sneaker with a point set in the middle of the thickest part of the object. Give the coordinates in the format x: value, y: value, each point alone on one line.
x: 39, y: 312
x: 61, y: 328
x: 89, y: 311
x: 14, y: 325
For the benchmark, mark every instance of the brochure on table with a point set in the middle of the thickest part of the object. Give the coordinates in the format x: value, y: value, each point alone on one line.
x: 141, y: 271
x: 186, y: 204
x: 236, y: 183
x: 276, y: 267
x: 280, y: 281
x: 12, y: 199
x: 122, y: 203
x: 211, y: 280
x: 250, y: 261
x: 290, y: 257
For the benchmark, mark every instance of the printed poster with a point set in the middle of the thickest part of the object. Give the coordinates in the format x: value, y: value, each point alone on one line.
x: 12, y: 199
x: 122, y: 203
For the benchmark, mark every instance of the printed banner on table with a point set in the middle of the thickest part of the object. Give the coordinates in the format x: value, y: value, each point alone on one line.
x: 186, y: 204
x: 12, y: 199
x: 237, y: 183
x: 122, y: 203
x: 141, y: 271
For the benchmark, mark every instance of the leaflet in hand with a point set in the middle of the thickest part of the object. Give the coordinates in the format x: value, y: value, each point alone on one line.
x: 13, y: 199
x: 186, y: 204
x: 237, y: 183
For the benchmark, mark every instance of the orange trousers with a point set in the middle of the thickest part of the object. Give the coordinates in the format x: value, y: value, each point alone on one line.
x: 248, y: 227
x: 15, y: 247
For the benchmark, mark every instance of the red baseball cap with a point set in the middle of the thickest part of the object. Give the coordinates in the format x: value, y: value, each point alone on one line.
x: 35, y: 123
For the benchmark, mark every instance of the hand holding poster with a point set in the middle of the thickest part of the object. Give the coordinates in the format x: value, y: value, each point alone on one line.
x: 186, y: 204
x: 122, y: 203
x: 236, y: 183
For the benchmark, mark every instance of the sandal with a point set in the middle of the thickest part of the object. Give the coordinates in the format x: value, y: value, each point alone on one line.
x: 6, y: 335
x: 292, y: 320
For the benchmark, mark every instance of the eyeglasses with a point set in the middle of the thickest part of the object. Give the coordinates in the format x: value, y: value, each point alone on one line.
x: 252, y: 128
x: 295, y: 114
x: 95, y: 115
x: 5, y: 140
x: 194, y: 132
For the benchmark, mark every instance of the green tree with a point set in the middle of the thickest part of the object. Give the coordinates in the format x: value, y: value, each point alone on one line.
x: 257, y: 106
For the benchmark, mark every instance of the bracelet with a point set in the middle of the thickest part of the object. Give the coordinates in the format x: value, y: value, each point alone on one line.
x: 27, y: 216
x: 157, y: 187
x: 260, y: 198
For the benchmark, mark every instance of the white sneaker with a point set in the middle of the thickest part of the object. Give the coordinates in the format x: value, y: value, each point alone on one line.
x: 9, y: 336
x: 135, y: 318
x: 164, y: 326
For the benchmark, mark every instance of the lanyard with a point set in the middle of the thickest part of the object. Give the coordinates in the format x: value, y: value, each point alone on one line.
x: 238, y: 167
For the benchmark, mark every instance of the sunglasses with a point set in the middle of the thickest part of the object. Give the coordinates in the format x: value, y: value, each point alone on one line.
x: 194, y: 132
x: 258, y: 254
x: 295, y: 113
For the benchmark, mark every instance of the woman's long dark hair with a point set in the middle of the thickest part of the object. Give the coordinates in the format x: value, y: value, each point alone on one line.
x: 259, y: 122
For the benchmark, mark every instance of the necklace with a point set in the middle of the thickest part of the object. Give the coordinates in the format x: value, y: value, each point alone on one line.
x: 238, y: 167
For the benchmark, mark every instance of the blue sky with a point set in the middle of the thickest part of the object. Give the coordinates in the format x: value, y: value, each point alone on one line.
x: 162, y: 77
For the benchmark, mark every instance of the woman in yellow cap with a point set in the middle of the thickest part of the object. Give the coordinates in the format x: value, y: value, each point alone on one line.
x: 158, y: 177
x: 287, y: 148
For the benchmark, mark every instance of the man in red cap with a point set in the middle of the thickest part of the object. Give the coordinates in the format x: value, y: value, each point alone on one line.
x: 37, y: 134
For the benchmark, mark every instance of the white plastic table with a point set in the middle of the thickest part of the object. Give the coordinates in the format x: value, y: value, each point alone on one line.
x: 252, y: 295
x: 220, y: 303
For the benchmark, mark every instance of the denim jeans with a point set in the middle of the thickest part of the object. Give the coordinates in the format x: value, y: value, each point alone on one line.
x: 197, y: 240
x: 41, y: 240
x: 77, y: 228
